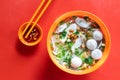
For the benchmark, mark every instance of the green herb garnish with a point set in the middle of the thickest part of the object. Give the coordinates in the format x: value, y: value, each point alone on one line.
x: 78, y: 52
x: 63, y: 34
x: 74, y: 17
x: 51, y: 44
x: 80, y: 68
x: 67, y: 59
x: 62, y: 22
x: 89, y: 60
x: 77, y: 32
x: 86, y: 18
x: 70, y: 44
x: 68, y: 23
x: 59, y: 55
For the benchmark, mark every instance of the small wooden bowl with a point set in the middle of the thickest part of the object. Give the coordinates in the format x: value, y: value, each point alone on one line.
x: 105, y: 33
x: 21, y: 38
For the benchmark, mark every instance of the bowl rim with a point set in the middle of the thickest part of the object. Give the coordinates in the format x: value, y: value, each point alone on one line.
x: 31, y: 43
x: 102, y: 27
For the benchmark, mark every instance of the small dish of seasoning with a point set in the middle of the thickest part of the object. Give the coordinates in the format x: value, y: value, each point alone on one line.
x: 33, y: 38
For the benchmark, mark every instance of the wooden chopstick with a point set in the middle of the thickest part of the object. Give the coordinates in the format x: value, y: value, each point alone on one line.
x: 41, y: 13
x: 39, y: 7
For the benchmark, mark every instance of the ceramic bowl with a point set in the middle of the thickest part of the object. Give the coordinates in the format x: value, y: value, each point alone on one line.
x: 105, y: 33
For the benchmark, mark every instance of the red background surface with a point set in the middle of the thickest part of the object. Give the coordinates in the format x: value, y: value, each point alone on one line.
x: 18, y: 62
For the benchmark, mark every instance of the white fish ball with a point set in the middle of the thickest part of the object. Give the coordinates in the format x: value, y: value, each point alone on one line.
x: 97, y: 35
x: 76, y: 62
x: 96, y: 54
x: 91, y: 44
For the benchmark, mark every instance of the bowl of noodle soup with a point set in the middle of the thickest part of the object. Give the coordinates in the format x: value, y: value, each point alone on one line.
x: 78, y: 42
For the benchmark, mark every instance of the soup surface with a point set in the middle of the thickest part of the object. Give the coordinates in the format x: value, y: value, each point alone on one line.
x: 77, y: 42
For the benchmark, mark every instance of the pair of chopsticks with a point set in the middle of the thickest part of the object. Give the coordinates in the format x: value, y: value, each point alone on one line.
x: 34, y: 15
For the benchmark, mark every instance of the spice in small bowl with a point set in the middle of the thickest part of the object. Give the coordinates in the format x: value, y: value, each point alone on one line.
x: 33, y: 38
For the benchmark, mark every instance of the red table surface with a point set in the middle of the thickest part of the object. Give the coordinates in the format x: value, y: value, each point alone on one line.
x: 18, y: 62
